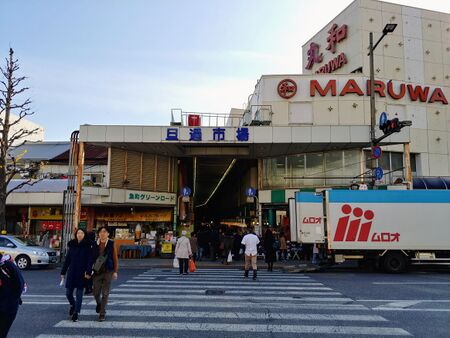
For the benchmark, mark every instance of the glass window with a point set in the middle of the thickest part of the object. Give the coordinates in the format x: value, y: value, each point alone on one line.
x: 314, y: 168
x: 334, y: 167
x: 397, y: 161
x: 296, y: 168
x: 274, y: 171
x: 352, y: 163
x: 413, y: 163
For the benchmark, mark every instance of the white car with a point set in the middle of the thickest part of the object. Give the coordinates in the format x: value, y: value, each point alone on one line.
x: 27, y: 253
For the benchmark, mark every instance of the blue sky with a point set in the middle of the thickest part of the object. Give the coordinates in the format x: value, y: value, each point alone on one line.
x: 131, y: 61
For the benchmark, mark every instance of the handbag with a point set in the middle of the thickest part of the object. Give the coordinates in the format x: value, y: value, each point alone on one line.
x: 191, y: 265
x: 99, y: 262
x: 176, y: 264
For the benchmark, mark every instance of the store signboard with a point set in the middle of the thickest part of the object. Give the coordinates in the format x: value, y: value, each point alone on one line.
x: 166, y: 248
x: 150, y: 197
x: 160, y: 215
x: 51, y: 225
x: 52, y: 213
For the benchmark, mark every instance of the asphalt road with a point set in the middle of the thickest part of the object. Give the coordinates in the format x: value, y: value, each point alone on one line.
x: 160, y: 303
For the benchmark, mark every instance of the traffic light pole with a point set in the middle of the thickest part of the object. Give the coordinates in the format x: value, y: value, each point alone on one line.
x: 372, y: 104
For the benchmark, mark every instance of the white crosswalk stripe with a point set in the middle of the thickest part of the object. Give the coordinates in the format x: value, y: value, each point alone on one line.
x: 221, y: 303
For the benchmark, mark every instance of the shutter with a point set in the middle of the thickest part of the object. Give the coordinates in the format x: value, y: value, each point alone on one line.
x: 134, y: 170
x: 162, y: 176
x: 117, y: 170
x: 148, y: 172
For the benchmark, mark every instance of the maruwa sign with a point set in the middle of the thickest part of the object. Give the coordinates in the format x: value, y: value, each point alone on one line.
x: 414, y: 92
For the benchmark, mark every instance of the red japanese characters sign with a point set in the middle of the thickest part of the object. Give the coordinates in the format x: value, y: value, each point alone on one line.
x: 287, y: 88
x: 335, y: 35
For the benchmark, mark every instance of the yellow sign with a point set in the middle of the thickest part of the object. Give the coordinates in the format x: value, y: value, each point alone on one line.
x: 166, y: 248
x: 160, y: 215
x: 51, y: 213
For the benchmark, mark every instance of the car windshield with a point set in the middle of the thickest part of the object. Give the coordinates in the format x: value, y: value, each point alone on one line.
x: 26, y: 241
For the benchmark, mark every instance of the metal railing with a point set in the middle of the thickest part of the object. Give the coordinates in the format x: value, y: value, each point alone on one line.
x: 256, y: 115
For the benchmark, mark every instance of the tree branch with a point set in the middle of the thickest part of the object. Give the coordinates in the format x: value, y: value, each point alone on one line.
x: 28, y: 182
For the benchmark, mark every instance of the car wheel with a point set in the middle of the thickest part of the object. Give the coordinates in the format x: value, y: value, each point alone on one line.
x: 23, y: 262
x: 394, y: 262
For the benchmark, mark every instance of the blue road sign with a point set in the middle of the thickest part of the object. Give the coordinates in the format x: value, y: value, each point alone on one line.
x: 378, y: 173
x: 376, y: 152
x: 383, y: 118
x: 251, y: 192
x: 185, y: 191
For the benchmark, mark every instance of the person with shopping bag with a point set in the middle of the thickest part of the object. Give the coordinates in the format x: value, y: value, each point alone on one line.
x: 183, y: 252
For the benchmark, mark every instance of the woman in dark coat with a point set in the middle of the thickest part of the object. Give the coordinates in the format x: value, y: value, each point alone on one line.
x: 78, y: 266
x: 269, y: 242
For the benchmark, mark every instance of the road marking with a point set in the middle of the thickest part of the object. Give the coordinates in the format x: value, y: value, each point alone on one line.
x: 404, y: 300
x: 237, y: 282
x: 89, y: 336
x: 202, y: 303
x: 238, y: 298
x: 381, y: 308
x: 228, y: 292
x: 411, y: 283
x: 269, y: 328
x: 140, y: 286
x: 240, y: 315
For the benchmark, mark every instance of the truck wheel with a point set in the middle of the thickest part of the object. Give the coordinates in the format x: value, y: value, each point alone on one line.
x: 394, y: 262
x: 23, y: 262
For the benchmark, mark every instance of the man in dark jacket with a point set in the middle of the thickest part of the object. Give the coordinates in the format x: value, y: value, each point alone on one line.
x: 106, y: 265
x: 11, y: 287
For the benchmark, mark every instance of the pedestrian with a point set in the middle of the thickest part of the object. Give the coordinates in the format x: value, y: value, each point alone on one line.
x: 202, y: 243
x: 237, y: 239
x: 315, y: 257
x: 182, y: 252
x: 45, y: 239
x: 78, y: 266
x: 214, y: 243
x: 194, y: 246
x: 90, y: 237
x: 269, y: 248
x: 105, y: 268
x: 227, y: 240
x: 283, y: 247
x: 251, y: 242
x: 11, y: 287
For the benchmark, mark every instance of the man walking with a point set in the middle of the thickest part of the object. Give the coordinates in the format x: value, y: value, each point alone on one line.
x: 251, y: 242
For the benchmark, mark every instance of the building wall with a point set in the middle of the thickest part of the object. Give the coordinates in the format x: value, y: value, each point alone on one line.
x: 417, y: 52
x: 24, y: 124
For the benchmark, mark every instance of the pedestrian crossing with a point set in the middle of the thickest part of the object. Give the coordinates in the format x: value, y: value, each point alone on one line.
x: 221, y: 303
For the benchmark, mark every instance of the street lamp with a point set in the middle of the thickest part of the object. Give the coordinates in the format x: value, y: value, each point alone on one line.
x: 389, y: 28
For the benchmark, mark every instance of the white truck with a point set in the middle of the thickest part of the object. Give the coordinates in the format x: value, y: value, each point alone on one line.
x: 391, y: 228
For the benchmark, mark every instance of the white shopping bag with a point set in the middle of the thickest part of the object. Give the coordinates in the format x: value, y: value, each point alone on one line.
x: 230, y: 258
x: 176, y: 264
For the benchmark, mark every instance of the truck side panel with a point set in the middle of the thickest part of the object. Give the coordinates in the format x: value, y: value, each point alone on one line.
x: 385, y: 219
x: 309, y: 215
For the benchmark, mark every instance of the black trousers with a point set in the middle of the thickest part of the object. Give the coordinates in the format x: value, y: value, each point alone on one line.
x: 184, y: 265
x: 6, y: 320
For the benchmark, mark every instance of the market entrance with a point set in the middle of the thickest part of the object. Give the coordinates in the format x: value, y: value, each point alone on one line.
x: 218, y: 190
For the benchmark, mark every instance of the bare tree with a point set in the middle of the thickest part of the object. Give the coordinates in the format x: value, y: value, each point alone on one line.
x: 11, y: 132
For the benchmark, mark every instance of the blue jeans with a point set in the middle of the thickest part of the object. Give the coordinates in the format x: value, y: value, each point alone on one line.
x: 199, y: 253
x: 315, y: 259
x: 79, y: 295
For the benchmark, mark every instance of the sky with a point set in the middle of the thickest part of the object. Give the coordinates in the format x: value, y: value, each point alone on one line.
x: 131, y: 61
